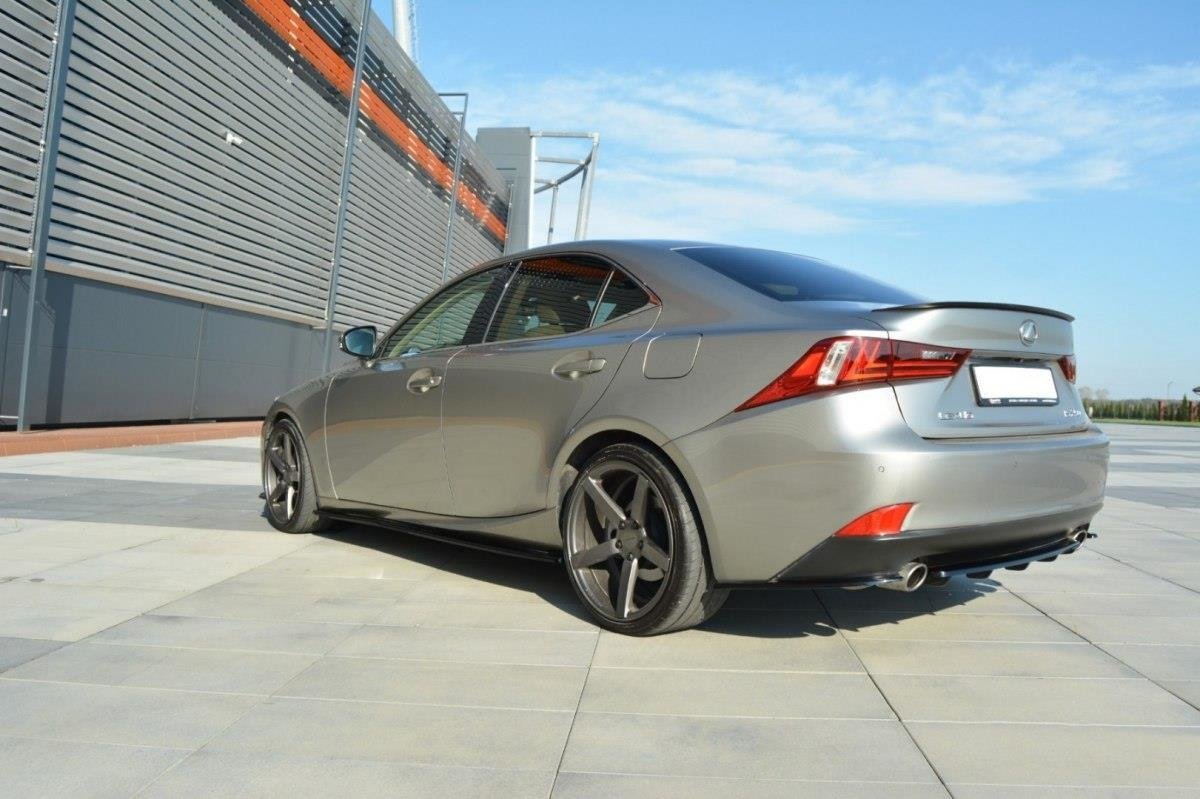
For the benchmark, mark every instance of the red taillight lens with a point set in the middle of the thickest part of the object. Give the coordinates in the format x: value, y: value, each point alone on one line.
x: 882, y: 521
x: 855, y: 360
x: 1067, y: 362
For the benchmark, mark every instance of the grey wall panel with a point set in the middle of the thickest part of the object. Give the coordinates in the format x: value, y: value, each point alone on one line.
x: 194, y: 199
x: 26, y: 45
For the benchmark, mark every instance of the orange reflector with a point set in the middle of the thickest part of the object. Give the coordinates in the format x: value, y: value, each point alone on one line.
x: 882, y: 521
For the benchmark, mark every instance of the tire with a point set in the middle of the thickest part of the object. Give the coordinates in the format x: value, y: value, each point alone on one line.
x: 618, y: 531
x: 290, y: 504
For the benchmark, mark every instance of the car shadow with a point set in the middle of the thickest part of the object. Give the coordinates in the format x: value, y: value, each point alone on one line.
x: 759, y: 613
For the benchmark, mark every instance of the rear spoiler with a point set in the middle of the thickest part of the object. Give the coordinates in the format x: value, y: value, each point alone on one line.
x: 990, y: 306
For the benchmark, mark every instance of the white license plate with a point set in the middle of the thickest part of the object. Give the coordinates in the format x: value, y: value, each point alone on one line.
x: 1014, y: 385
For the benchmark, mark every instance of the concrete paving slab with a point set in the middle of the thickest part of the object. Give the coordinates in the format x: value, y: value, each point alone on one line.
x: 218, y: 773
x: 1061, y: 754
x: 999, y: 658
x: 1072, y: 700
x: 237, y: 634
x: 531, y: 647
x: 116, y: 715
x: 15, y: 651
x: 220, y: 671
x: 441, y: 683
x: 745, y: 747
x: 46, y: 768
x: 573, y: 785
x: 406, y: 733
x: 733, y: 693
x: 218, y: 656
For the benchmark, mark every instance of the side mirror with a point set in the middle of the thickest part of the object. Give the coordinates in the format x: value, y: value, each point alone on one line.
x: 358, y: 341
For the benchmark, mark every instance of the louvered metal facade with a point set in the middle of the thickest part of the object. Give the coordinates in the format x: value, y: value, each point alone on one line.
x: 196, y: 192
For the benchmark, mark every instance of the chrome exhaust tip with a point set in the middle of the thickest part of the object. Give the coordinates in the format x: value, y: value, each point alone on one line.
x: 911, y: 576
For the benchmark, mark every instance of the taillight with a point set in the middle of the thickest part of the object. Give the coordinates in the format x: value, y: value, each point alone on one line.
x: 881, y: 521
x: 856, y: 360
x: 1067, y: 363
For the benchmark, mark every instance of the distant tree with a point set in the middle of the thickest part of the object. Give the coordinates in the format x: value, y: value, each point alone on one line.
x: 1102, y: 394
x: 1086, y: 393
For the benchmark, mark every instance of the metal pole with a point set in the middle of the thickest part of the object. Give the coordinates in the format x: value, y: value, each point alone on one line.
x: 45, y: 197
x: 585, y: 190
x: 339, y: 225
x: 553, y: 206
x: 462, y: 130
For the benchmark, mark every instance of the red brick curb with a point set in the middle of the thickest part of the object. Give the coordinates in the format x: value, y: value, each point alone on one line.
x: 77, y: 438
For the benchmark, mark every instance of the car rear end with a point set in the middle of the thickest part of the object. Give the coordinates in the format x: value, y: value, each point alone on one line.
x: 931, y: 440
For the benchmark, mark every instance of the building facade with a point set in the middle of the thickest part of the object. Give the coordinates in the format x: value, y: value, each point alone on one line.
x: 196, y: 194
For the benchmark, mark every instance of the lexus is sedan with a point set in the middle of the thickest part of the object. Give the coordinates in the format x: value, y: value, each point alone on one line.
x: 672, y: 420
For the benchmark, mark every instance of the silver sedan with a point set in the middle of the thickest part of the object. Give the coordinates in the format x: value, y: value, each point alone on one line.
x: 673, y: 420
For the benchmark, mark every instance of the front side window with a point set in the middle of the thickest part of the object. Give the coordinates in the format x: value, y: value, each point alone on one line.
x: 549, y: 297
x: 455, y: 316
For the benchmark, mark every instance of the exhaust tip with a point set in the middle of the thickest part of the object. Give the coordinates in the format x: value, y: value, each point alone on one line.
x: 911, y: 576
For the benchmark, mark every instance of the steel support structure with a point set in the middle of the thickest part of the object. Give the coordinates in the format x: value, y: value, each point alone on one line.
x: 585, y: 165
x: 462, y: 131
x: 44, y: 200
x: 339, y: 229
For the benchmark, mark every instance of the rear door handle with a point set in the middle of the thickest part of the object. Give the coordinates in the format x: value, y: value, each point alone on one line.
x: 423, y: 380
x: 573, y: 370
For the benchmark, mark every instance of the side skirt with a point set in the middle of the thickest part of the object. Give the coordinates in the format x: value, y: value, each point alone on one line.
x: 483, y: 542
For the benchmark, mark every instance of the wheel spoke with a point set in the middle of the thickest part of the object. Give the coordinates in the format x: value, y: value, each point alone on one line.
x: 277, y: 463
x: 655, y: 554
x: 594, y: 555
x: 605, y: 506
x: 278, y: 491
x: 623, y: 601
x: 641, y: 497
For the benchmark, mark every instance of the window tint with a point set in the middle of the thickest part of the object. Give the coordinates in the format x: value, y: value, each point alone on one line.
x: 456, y: 315
x: 622, y: 296
x: 547, y: 297
x: 789, y: 278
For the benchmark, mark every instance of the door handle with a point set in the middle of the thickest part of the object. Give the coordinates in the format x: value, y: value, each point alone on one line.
x: 573, y: 370
x: 424, y: 380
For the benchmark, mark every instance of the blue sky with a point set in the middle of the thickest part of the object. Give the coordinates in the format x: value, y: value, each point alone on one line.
x: 1032, y: 152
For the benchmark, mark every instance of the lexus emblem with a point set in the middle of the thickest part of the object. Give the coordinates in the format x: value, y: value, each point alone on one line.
x: 1028, y: 332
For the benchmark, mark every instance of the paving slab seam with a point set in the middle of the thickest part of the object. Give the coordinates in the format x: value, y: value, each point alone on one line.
x: 5, y: 678
x: 772, y: 780
x: 88, y: 742
x: 574, y: 716
x: 1147, y: 573
x: 1013, y: 723
x: 727, y: 671
x: 1099, y: 646
x: 653, y: 714
x: 886, y: 699
x: 397, y: 702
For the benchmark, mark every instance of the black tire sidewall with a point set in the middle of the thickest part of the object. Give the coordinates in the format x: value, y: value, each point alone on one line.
x: 684, y: 531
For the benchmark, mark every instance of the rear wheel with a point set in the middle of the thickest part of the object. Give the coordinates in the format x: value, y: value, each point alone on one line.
x: 632, y: 546
x: 291, y: 496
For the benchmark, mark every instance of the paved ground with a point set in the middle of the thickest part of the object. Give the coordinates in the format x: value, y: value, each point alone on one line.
x: 157, y: 637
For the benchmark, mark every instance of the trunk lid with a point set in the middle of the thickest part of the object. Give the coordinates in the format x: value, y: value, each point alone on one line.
x: 999, y: 390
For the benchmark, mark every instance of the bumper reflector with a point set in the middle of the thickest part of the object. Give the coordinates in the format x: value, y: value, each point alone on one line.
x: 882, y: 521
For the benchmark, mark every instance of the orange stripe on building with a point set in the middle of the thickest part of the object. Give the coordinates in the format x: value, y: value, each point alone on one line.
x: 291, y: 27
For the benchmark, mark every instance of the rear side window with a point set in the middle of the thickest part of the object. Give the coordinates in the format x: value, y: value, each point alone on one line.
x: 549, y: 297
x: 793, y: 278
x: 622, y: 296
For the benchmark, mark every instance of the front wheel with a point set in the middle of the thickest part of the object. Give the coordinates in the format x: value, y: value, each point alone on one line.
x: 632, y: 545
x: 291, y: 494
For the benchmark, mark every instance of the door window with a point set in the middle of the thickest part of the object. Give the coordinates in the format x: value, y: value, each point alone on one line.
x: 455, y: 316
x: 549, y: 297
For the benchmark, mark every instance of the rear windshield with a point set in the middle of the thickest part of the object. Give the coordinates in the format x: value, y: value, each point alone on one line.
x: 792, y: 278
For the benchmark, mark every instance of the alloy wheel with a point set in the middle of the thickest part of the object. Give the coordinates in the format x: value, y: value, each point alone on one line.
x: 281, y: 475
x: 619, y: 540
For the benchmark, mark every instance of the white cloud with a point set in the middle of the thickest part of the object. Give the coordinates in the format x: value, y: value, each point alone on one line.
x: 712, y: 154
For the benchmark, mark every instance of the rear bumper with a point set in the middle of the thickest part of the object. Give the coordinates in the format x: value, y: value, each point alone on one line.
x: 774, y: 484
x: 862, y: 561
